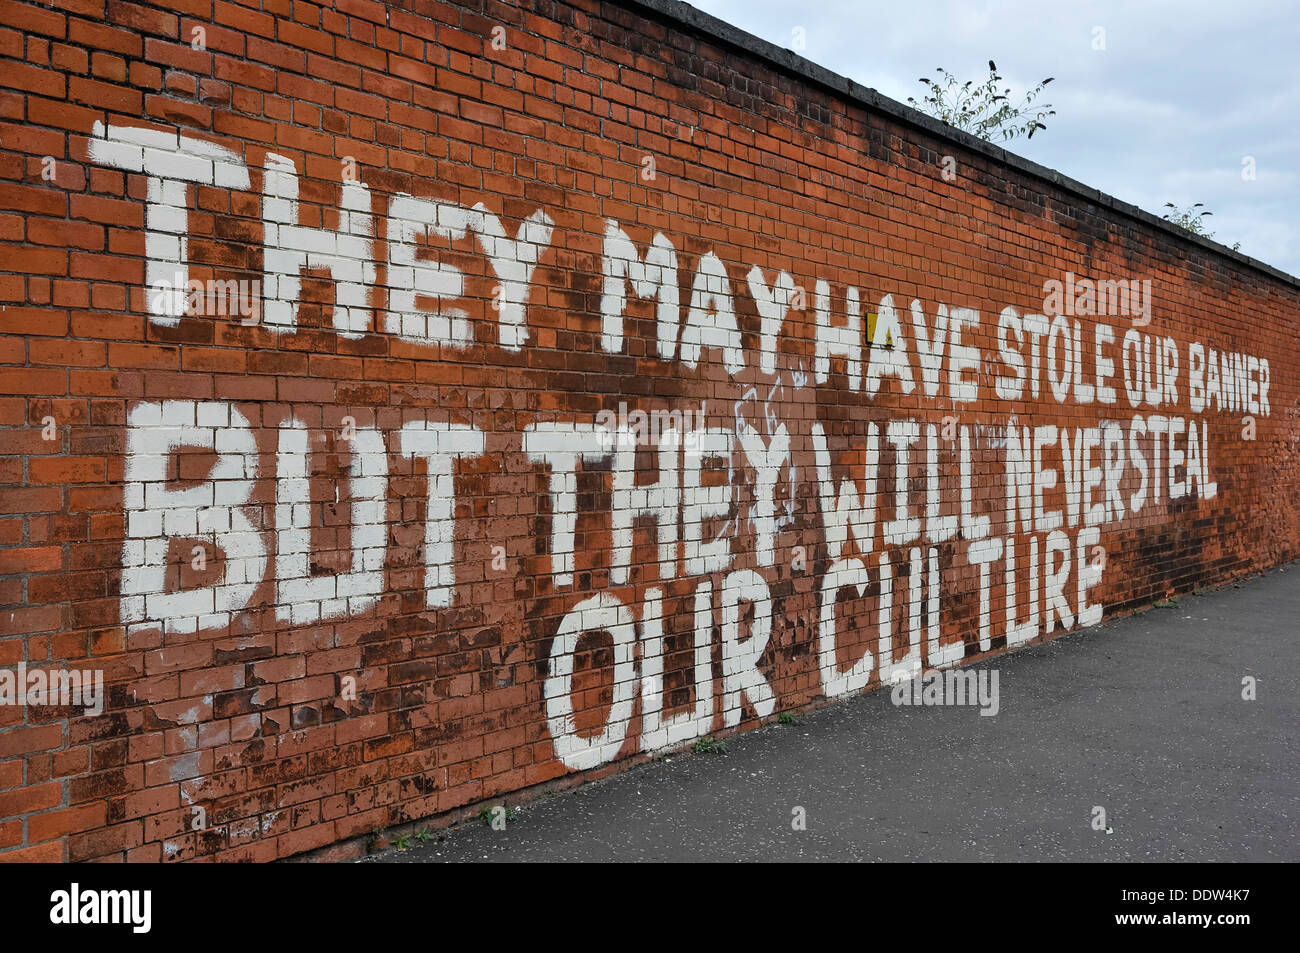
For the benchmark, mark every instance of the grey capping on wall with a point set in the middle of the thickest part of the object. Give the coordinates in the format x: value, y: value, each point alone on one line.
x: 688, y: 19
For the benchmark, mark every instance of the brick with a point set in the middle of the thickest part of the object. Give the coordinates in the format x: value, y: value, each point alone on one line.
x: 29, y: 799
x: 71, y: 820
x: 310, y: 709
x: 50, y: 852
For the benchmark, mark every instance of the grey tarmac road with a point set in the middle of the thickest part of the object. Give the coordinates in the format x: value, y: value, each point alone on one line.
x: 1142, y: 716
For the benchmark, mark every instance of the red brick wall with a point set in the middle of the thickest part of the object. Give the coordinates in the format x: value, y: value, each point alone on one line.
x: 429, y: 361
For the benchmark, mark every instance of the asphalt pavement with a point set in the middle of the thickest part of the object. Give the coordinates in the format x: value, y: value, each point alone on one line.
x: 1142, y: 717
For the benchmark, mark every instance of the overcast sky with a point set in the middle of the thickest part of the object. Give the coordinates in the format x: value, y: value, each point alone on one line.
x: 1183, y: 92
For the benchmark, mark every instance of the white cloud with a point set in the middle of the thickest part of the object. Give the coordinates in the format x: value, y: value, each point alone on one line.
x: 1166, y: 112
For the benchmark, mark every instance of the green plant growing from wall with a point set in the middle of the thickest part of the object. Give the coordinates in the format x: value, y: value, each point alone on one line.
x: 1192, y: 220
x: 1189, y: 218
x: 487, y: 814
x: 983, y: 110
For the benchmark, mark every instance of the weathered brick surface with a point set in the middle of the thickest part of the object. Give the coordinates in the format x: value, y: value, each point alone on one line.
x: 415, y: 383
